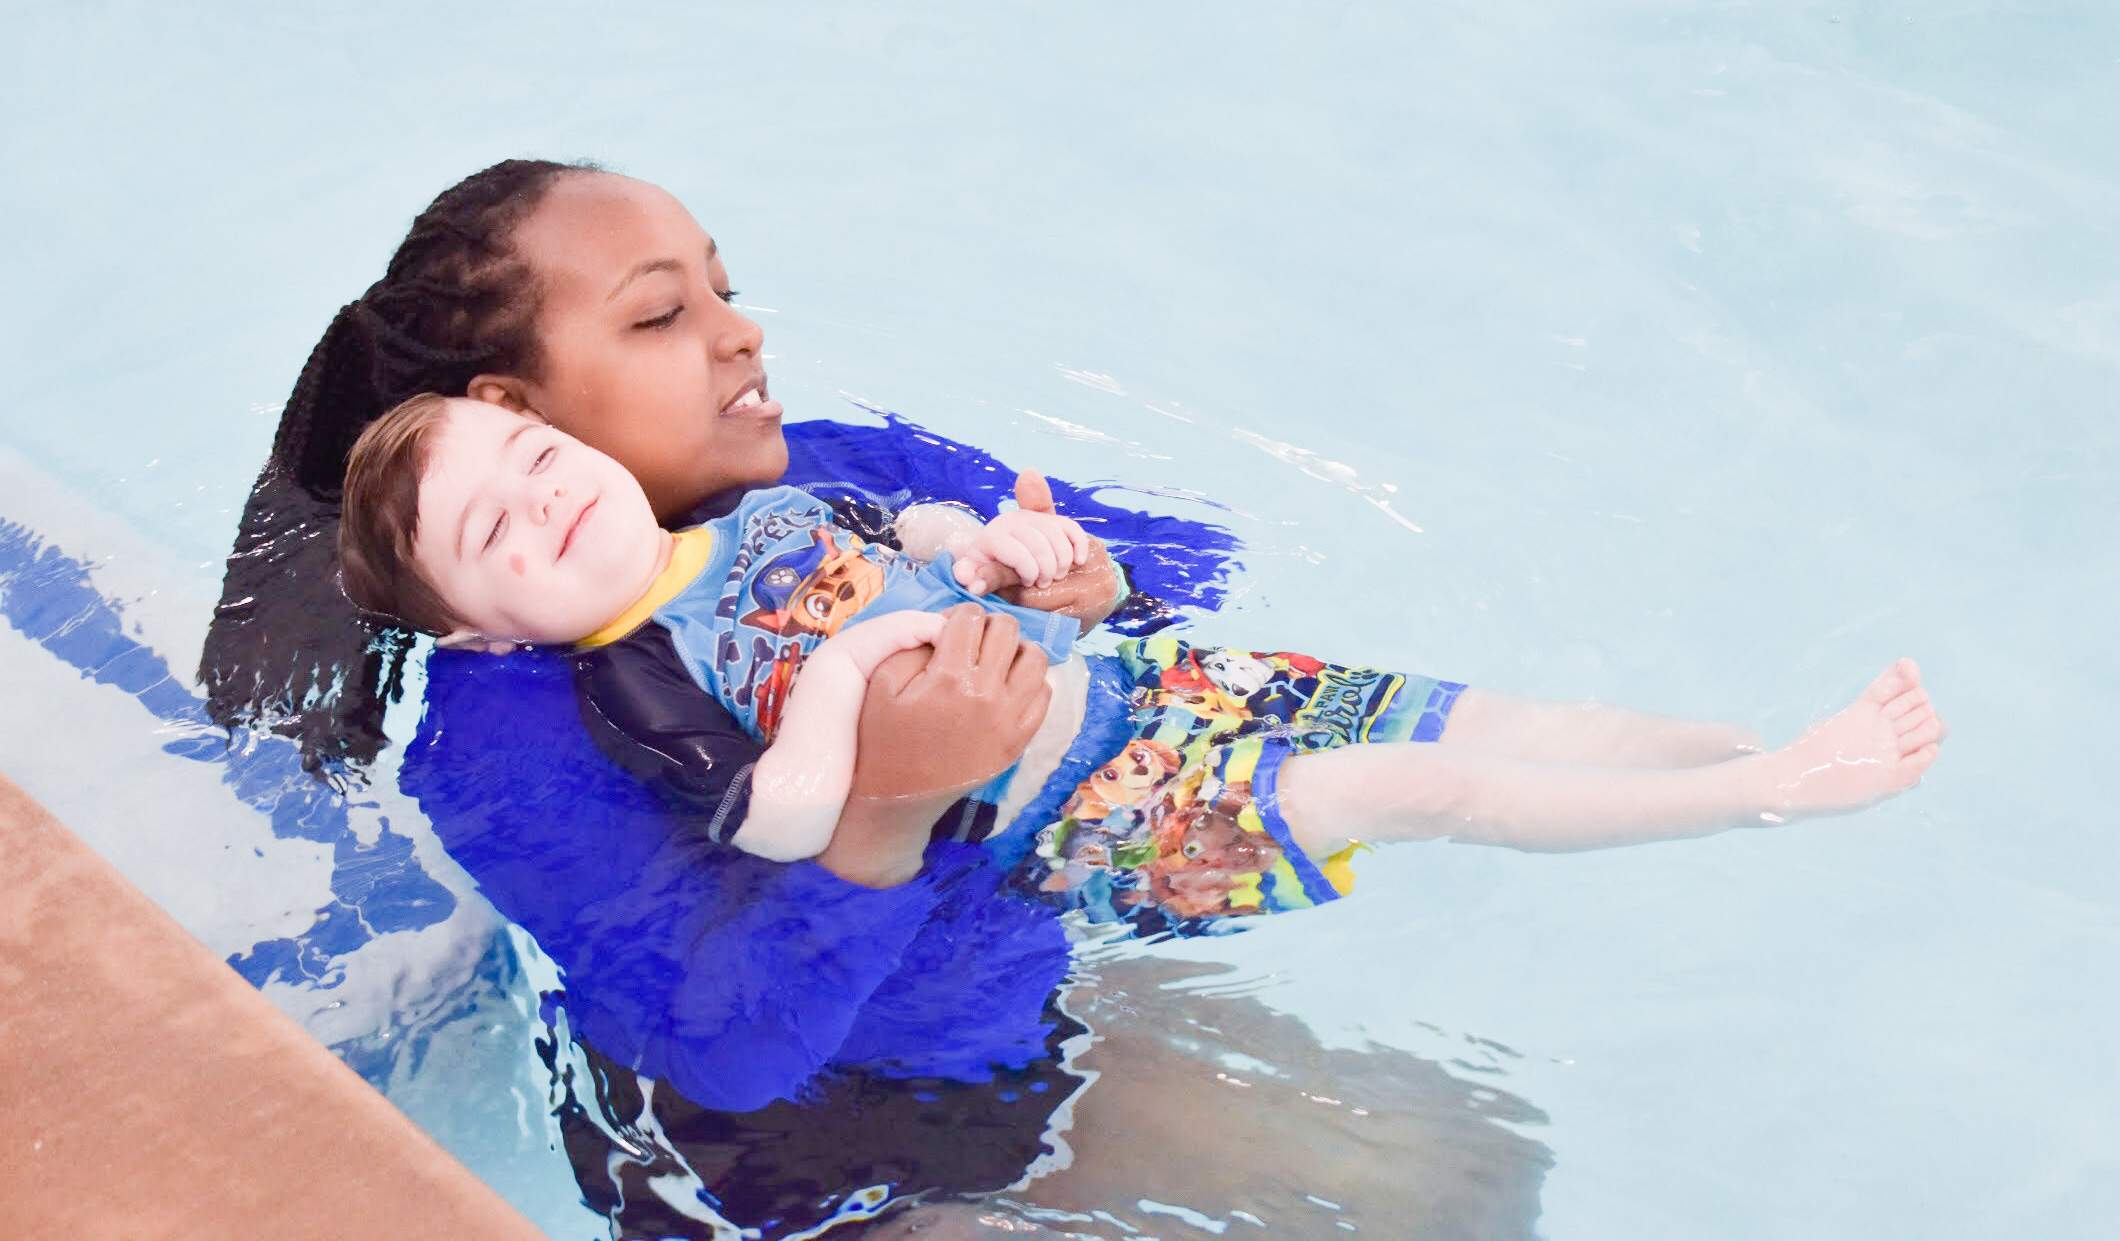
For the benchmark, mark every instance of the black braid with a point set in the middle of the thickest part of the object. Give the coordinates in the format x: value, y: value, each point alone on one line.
x: 454, y: 302
x: 287, y: 651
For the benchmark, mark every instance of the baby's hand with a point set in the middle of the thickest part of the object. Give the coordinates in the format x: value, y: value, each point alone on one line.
x: 872, y: 641
x: 1030, y: 546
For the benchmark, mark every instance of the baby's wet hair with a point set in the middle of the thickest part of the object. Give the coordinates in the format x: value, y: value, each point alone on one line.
x: 379, y: 519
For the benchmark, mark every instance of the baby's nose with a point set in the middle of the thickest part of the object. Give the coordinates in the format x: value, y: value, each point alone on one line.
x: 542, y: 497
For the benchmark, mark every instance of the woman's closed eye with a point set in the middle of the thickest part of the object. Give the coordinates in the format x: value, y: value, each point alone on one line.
x: 670, y: 316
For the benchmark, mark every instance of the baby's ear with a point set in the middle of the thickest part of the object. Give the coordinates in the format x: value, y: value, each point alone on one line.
x: 468, y: 640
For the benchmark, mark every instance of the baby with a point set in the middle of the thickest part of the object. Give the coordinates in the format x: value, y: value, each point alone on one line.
x: 1207, y: 782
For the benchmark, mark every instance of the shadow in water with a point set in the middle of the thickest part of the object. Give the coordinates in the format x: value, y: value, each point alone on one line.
x: 1219, y: 1106
x: 1193, y: 1115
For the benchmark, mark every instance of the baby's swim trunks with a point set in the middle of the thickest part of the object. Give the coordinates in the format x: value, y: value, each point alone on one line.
x: 1184, y: 813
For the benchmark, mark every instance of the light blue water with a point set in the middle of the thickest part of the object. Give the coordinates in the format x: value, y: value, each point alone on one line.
x: 1701, y: 357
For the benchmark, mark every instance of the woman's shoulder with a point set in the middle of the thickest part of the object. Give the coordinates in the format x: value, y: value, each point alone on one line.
x: 896, y: 464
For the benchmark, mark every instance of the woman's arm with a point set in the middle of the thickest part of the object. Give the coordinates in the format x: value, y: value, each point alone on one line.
x: 1170, y: 564
x: 930, y: 730
x: 732, y: 978
x: 799, y: 786
x: 937, y: 722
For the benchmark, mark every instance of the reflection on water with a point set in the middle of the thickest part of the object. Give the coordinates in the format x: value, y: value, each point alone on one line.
x: 1217, y: 1105
x: 1210, y: 1110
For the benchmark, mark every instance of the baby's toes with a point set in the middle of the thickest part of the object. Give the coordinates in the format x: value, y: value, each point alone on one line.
x: 1907, y: 706
x: 1894, y: 681
x: 1923, y: 735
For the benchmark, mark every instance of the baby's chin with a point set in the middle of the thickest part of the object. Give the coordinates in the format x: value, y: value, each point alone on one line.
x: 582, y: 626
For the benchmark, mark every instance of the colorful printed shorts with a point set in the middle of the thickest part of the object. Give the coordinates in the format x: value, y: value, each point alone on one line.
x: 1186, y: 817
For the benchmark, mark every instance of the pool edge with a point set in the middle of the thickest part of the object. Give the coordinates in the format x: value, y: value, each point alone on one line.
x: 149, y: 1091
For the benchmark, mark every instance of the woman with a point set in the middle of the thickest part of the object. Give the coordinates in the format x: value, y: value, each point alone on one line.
x: 599, y: 302
x: 506, y: 289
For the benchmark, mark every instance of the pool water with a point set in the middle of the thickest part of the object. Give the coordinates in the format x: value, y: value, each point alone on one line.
x: 1702, y: 357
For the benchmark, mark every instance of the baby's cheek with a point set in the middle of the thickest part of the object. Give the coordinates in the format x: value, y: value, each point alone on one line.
x: 515, y: 563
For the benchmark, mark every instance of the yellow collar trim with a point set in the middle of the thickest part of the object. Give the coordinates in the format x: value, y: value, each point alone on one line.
x: 688, y: 556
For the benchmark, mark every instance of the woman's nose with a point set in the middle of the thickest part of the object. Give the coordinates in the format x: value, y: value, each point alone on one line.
x: 736, y: 335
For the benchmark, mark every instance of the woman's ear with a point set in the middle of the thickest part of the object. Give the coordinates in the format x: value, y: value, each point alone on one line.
x: 469, y: 640
x: 503, y: 390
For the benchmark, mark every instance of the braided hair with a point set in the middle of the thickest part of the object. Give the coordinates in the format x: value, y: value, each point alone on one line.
x: 287, y: 651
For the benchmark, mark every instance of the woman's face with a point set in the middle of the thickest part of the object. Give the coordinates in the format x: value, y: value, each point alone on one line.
x: 643, y: 357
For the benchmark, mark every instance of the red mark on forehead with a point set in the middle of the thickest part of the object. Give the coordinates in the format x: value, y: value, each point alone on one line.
x: 515, y: 562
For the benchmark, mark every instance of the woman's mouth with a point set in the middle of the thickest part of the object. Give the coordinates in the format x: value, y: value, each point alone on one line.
x: 574, y: 527
x: 753, y: 402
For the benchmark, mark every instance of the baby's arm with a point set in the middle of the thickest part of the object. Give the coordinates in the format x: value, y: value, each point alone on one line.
x: 925, y: 531
x: 800, y: 783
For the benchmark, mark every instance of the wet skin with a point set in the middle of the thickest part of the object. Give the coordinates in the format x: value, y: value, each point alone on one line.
x: 641, y: 353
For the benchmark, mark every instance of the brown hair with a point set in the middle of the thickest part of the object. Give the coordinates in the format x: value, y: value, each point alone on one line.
x: 380, y: 517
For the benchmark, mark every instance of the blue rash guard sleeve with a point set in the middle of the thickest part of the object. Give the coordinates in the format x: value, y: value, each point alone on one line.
x: 733, y: 978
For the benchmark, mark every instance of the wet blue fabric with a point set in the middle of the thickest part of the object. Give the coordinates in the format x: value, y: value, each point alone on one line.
x: 733, y: 979
x: 935, y: 587
x: 1107, y: 725
x: 1172, y: 564
x: 775, y: 585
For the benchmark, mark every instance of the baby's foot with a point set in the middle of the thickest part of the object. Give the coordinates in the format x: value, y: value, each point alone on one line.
x: 1877, y: 747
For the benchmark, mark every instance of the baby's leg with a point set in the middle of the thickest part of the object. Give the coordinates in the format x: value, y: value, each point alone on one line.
x: 1875, y: 748
x: 1589, y: 733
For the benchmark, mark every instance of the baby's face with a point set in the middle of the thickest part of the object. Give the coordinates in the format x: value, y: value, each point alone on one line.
x: 527, y: 533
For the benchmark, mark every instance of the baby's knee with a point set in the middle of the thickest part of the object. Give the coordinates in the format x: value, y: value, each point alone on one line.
x: 1403, y: 790
x: 1727, y: 741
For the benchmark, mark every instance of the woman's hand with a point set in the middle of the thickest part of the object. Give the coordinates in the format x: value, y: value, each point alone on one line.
x: 937, y: 723
x: 942, y: 721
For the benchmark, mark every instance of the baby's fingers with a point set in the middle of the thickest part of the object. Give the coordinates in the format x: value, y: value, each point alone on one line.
x: 1080, y: 544
x: 1056, y: 552
x: 978, y: 573
x: 1029, y: 552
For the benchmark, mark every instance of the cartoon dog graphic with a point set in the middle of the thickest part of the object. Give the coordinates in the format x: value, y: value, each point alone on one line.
x: 1187, y: 686
x: 1207, y: 862
x: 1235, y: 673
x: 1270, y: 685
x: 814, y: 589
x: 1101, y: 827
x: 1123, y: 781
